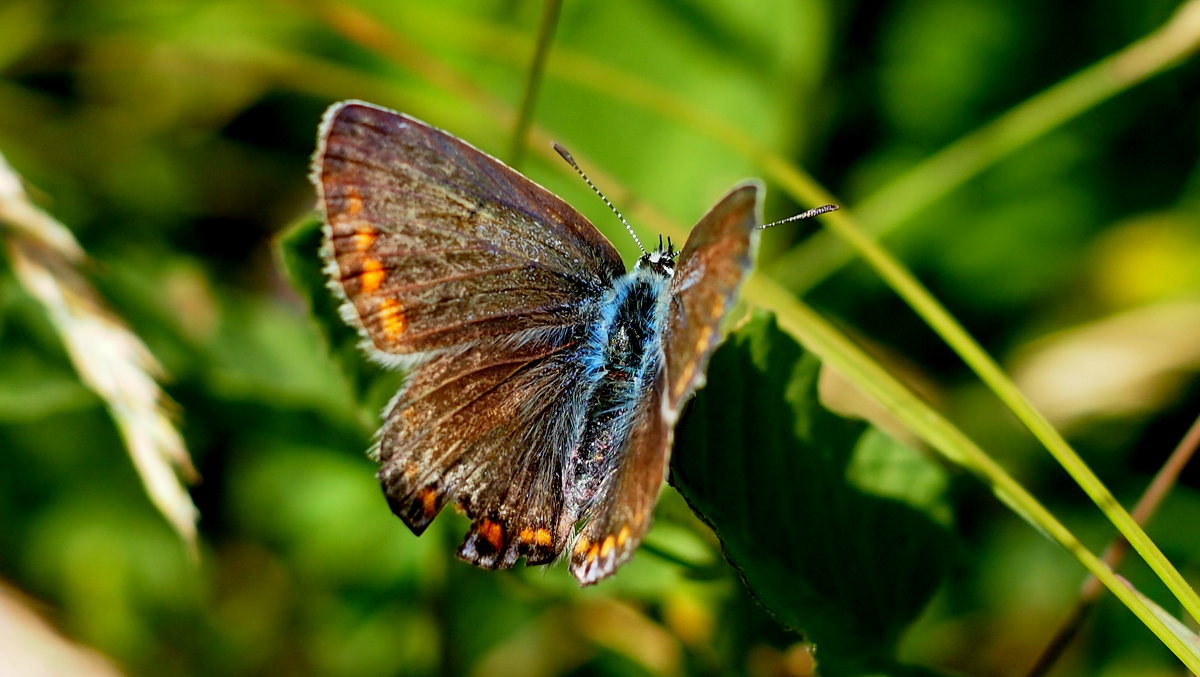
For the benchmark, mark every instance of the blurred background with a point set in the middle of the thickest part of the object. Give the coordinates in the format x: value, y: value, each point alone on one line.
x: 173, y: 137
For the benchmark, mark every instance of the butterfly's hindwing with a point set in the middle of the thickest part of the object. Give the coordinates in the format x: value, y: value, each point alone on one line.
x: 621, y: 513
x: 486, y: 429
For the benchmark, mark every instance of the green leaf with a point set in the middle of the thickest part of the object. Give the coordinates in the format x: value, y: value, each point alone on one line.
x: 766, y: 466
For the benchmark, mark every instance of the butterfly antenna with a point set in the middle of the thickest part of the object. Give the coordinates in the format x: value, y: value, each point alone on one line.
x: 816, y: 211
x: 571, y: 161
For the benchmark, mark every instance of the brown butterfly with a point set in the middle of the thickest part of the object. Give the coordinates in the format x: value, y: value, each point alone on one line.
x: 543, y: 379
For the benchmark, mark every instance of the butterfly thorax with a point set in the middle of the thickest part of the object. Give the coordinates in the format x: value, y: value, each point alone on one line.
x: 624, y: 354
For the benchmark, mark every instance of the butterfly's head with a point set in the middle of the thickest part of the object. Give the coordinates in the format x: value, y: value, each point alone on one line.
x: 661, y: 260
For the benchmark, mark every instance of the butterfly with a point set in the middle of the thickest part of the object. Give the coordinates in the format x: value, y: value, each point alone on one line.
x: 543, y: 379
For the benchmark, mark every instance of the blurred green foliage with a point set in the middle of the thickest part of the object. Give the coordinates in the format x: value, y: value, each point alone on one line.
x: 173, y: 137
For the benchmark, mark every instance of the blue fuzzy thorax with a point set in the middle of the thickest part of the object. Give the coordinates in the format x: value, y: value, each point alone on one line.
x: 629, y: 321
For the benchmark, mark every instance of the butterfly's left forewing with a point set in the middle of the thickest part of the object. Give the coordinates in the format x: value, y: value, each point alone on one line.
x: 709, y: 271
x: 435, y: 244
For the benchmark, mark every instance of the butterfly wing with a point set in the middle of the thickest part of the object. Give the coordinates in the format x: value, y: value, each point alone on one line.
x: 482, y: 283
x: 708, y: 274
x: 709, y: 271
x: 434, y: 243
x: 488, y: 429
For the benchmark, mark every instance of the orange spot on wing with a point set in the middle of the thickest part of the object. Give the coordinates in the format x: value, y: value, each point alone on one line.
x: 429, y: 498
x: 581, y: 545
x: 493, y: 532
x: 363, y: 238
x: 353, y: 202
x: 538, y: 536
x: 592, y: 552
x: 608, y: 545
x: 372, y: 275
x: 623, y: 536
x: 391, y: 315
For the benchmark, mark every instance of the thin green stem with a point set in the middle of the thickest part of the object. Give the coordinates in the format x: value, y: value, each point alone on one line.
x: 533, y: 80
x: 1146, y: 506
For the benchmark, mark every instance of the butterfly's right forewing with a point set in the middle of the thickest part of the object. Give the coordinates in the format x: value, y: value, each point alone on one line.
x: 709, y: 271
